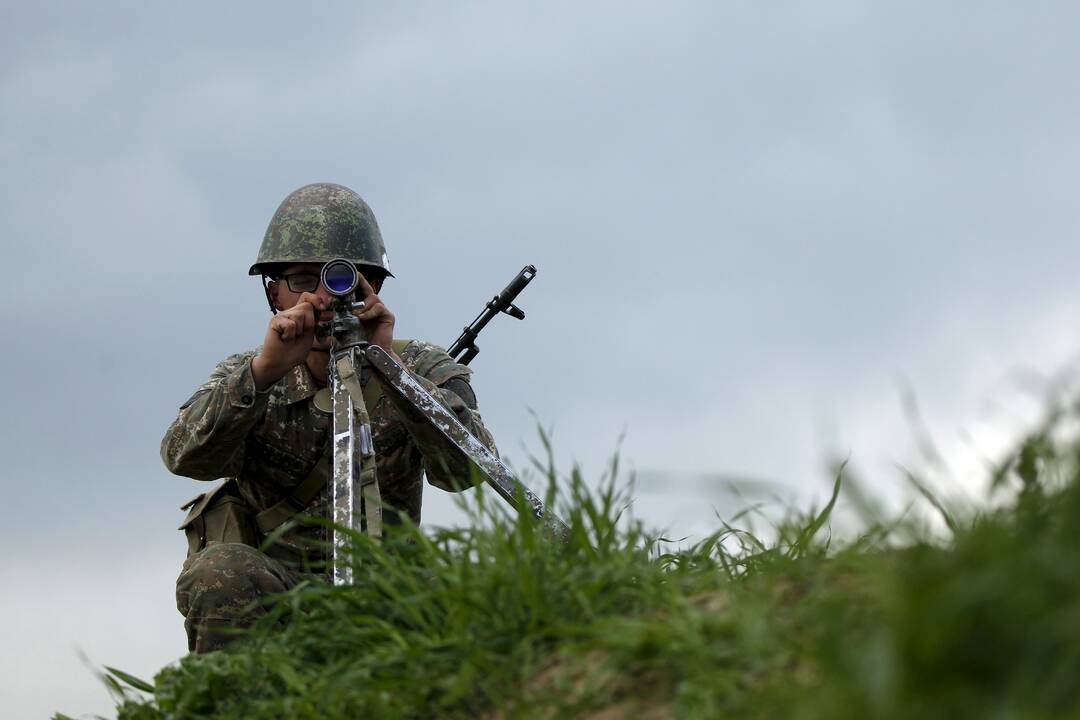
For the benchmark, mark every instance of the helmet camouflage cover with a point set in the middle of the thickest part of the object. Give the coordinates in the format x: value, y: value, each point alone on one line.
x: 318, y: 223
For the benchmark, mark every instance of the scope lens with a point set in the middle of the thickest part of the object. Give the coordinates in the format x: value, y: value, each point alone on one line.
x: 339, y: 277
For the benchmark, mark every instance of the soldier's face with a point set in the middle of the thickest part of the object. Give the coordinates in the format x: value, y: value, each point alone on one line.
x: 298, y: 275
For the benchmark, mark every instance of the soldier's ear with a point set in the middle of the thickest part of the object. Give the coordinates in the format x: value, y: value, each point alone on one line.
x: 272, y: 288
x: 376, y: 282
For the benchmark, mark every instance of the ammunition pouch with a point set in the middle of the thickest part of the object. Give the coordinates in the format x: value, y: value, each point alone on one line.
x: 220, y: 515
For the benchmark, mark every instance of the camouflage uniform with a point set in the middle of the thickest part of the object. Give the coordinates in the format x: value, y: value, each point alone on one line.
x: 269, y: 442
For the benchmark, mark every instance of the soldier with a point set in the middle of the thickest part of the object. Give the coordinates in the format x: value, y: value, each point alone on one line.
x: 262, y: 422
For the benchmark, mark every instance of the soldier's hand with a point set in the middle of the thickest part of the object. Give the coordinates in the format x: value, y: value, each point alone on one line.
x: 377, y: 319
x: 288, y: 340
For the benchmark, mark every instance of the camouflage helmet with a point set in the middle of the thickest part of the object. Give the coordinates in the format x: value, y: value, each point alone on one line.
x: 321, y: 222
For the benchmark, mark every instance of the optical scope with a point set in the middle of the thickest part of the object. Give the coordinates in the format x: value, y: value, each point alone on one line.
x: 340, y: 277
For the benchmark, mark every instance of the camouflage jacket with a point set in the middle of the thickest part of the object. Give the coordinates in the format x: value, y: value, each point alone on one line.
x: 270, y: 441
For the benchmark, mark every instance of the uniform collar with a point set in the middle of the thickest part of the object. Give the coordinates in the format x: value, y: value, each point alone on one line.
x: 299, y: 385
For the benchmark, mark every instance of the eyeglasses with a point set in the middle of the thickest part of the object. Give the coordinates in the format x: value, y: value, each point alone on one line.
x: 301, y: 282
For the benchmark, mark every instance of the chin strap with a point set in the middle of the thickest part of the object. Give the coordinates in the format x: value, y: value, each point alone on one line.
x: 266, y: 289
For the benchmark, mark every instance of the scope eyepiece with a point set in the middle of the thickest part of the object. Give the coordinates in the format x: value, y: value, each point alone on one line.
x: 340, y: 277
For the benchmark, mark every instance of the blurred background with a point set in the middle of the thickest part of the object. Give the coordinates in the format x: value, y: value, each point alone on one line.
x: 758, y: 228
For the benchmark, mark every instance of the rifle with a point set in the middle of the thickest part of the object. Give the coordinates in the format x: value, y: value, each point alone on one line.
x: 501, y: 303
x: 355, y: 500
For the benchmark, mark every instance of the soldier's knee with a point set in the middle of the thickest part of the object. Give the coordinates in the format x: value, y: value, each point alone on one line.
x: 224, y: 579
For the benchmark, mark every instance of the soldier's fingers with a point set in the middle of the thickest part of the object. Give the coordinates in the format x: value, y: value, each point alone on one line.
x: 378, y: 310
x: 364, y: 287
x: 303, y: 314
x: 372, y: 306
x: 313, y: 300
x: 285, y: 327
x: 294, y: 320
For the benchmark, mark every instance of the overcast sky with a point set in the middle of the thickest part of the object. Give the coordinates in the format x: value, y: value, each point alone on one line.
x: 755, y: 224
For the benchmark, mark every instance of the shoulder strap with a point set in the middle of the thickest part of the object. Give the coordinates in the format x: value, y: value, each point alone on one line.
x: 295, y: 502
x: 373, y: 390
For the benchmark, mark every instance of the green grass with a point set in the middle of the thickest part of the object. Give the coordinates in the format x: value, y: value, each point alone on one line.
x: 493, y: 621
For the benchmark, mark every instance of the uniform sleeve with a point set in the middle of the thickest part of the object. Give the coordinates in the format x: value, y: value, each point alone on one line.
x: 433, y: 368
x: 206, y: 441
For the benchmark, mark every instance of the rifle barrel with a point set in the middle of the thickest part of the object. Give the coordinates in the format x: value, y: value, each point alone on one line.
x: 501, y: 303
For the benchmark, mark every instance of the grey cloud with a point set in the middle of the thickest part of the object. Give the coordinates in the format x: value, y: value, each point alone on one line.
x: 749, y: 221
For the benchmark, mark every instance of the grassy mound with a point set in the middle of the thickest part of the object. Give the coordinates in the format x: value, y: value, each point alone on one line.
x: 496, y: 622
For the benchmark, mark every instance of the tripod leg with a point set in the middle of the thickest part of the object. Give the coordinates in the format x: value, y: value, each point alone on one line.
x: 355, y: 487
x: 429, y: 419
